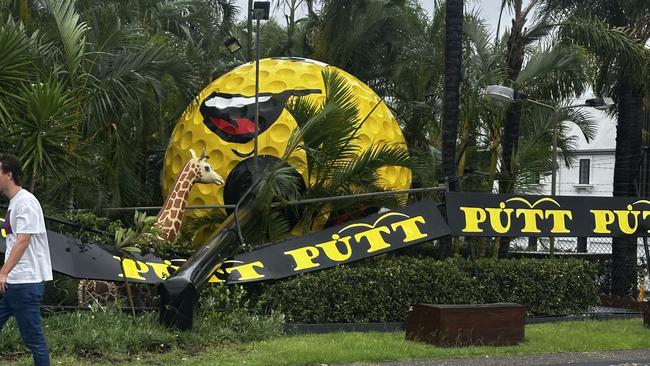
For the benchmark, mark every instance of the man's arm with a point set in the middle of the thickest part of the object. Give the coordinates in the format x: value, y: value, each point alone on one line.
x: 22, y: 241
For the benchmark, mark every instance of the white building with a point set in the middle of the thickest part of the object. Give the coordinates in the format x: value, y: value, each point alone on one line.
x: 593, y: 173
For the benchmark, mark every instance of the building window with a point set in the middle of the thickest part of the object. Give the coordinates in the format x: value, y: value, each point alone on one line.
x: 584, y: 171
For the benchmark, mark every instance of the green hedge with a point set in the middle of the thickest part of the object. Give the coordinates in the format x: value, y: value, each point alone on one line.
x: 383, y: 289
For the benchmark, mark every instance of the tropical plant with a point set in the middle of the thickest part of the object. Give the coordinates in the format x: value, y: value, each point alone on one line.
x: 124, y: 73
x: 46, y: 131
x: 126, y: 244
x: 335, y: 165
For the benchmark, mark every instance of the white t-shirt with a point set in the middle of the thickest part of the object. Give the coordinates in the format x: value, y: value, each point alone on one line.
x: 25, y: 216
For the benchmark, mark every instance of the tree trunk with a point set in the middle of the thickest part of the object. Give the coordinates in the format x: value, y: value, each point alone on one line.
x: 582, y: 245
x: 453, y: 61
x: 626, y: 168
x: 291, y: 25
x: 32, y: 181
x: 465, y: 137
x: 510, y: 137
x: 310, y: 9
x: 450, y: 113
x: 495, y: 140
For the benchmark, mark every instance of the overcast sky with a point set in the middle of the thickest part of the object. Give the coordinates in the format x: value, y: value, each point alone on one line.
x: 489, y: 9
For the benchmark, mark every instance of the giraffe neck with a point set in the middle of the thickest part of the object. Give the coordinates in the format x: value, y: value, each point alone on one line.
x: 171, y: 216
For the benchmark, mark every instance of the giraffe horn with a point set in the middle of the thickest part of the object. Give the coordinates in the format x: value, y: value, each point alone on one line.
x: 203, y: 156
x: 193, y: 153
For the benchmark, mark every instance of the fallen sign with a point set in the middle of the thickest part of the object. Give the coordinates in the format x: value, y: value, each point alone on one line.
x: 498, y: 324
x: 357, y: 240
x: 353, y: 241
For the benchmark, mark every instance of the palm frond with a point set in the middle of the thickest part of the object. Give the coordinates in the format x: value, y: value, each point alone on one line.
x: 363, y: 170
x: 330, y: 131
x: 604, y: 40
x: 538, y: 30
x: 124, y: 78
x: 71, y: 32
x: 107, y: 30
x: 15, y: 69
x: 555, y: 73
x: 584, y: 120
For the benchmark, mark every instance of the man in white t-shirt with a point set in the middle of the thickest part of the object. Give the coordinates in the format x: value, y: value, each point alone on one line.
x: 27, y: 261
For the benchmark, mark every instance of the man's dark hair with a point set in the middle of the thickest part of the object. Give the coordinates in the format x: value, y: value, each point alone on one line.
x: 10, y: 163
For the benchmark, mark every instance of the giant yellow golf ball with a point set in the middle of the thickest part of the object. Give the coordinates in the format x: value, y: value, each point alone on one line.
x: 220, y: 121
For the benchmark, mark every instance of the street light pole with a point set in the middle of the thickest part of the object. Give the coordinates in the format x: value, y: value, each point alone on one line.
x: 554, y: 156
x: 261, y: 10
x: 257, y: 85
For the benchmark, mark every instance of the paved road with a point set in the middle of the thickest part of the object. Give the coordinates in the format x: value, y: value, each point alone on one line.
x: 618, y: 358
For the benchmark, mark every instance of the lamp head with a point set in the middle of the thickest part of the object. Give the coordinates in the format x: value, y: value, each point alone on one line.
x: 261, y: 10
x: 232, y: 44
x: 500, y: 95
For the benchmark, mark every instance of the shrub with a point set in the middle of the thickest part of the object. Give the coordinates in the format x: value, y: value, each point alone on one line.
x: 545, y: 286
x: 383, y: 289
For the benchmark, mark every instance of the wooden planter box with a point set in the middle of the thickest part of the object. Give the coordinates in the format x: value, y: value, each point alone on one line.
x: 461, y: 325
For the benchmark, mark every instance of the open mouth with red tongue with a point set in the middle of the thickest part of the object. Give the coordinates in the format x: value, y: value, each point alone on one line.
x: 242, y: 126
x: 232, y: 116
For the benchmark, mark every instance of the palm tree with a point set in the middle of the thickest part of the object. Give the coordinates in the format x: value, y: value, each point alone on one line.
x: 615, y: 33
x: 451, y: 94
x: 550, y: 73
x: 514, y: 61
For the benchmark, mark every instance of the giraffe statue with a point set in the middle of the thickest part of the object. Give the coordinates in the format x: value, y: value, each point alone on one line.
x: 196, y: 170
x: 168, y: 223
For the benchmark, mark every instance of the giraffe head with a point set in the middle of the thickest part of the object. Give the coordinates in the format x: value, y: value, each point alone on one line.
x: 204, y: 171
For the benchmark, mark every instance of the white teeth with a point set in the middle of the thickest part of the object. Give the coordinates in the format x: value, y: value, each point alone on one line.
x: 236, y: 102
x: 308, y: 60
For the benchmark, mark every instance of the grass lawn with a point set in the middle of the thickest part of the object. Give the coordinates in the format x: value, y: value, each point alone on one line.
x: 353, y: 347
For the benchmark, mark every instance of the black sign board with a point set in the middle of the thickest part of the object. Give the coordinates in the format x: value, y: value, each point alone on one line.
x: 373, y: 235
x: 75, y: 258
x: 478, y: 214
